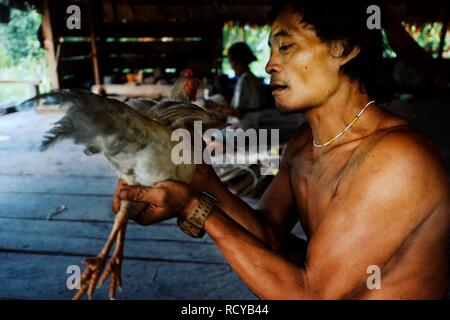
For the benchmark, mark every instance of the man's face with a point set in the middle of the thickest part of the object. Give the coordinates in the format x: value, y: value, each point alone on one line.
x: 304, y: 73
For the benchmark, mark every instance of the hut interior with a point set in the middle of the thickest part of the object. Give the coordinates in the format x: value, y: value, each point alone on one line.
x: 137, y: 48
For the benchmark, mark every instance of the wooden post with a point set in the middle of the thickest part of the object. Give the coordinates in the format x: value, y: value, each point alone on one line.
x: 93, y: 46
x: 217, y: 35
x: 49, y: 46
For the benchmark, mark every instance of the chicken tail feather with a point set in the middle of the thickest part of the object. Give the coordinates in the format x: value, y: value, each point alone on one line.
x: 56, y: 134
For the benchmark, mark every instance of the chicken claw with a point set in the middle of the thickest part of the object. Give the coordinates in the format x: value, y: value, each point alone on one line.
x: 94, y: 266
x: 114, y: 267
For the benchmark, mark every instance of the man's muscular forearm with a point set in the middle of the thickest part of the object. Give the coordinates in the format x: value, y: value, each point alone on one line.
x: 265, y: 271
x: 252, y: 220
x: 275, y: 216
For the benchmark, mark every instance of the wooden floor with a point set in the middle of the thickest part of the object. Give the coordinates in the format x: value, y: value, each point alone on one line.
x: 160, y: 261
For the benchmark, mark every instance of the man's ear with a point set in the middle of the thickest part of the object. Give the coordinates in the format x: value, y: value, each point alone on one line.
x: 353, y: 53
x: 341, y: 50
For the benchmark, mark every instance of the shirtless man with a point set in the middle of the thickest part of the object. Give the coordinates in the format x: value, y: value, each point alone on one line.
x: 377, y: 195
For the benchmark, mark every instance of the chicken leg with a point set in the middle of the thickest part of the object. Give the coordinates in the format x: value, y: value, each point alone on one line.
x: 94, y: 266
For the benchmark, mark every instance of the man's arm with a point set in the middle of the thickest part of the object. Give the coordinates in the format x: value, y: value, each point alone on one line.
x: 389, y: 193
x: 275, y: 215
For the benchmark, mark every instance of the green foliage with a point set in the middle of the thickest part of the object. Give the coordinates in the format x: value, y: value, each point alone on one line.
x: 388, y: 51
x: 428, y: 36
x: 21, y: 57
x: 20, y: 35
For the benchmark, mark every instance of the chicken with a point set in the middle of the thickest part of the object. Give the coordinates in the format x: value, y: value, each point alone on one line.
x: 185, y: 89
x: 135, y: 137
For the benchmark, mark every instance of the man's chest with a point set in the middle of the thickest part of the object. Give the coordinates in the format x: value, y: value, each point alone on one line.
x: 314, y: 184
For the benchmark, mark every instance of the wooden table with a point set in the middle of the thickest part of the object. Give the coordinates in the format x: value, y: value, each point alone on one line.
x: 148, y: 91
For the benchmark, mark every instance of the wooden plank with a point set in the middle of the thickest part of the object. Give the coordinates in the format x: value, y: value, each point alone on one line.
x: 156, y: 242
x: 56, y: 184
x: 39, y: 206
x: 30, y: 82
x: 106, y: 48
x: 32, y: 248
x: 140, y: 29
x: 47, y: 30
x: 140, y: 61
x: 173, y: 56
x: 80, y: 207
x: 59, y: 225
x: 65, y: 158
x: 129, y: 90
x: 26, y: 130
x: 55, y: 162
x: 179, y: 47
x: 29, y: 276
x: 28, y: 208
x: 92, y: 36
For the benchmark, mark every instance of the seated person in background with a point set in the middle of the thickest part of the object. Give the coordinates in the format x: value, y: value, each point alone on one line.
x: 247, y: 94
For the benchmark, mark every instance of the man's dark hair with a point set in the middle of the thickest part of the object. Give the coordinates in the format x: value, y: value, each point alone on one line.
x: 347, y: 21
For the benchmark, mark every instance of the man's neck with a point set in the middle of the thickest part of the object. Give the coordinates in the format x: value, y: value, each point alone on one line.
x: 331, y: 117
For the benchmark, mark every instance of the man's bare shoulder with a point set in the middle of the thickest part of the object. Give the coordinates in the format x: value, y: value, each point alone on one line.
x: 399, y: 141
x: 400, y: 159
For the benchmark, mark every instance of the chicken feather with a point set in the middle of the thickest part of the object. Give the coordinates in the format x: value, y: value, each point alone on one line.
x: 133, y: 136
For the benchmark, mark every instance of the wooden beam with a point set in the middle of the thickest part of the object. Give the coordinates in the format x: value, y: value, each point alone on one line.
x: 93, y: 46
x: 49, y: 45
x: 204, y: 48
x: 141, y: 63
x: 141, y: 29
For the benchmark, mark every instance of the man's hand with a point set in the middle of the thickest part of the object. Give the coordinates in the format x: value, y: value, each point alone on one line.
x: 164, y: 200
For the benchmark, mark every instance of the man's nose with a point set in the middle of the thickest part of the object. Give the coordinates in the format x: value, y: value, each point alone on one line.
x: 272, y: 66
